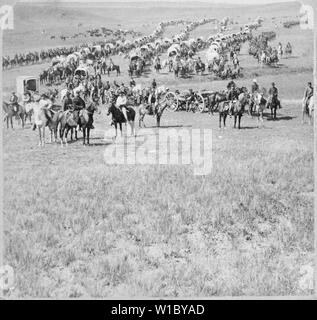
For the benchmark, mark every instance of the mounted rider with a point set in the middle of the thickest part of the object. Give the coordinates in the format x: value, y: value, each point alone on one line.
x: 111, y: 64
x: 121, y: 103
x: 254, y: 87
x: 273, y: 96
x: 14, y: 101
x: 308, y: 94
x: 132, y: 83
x: 154, y: 84
x: 78, y: 104
x: 152, y: 101
x: 68, y: 102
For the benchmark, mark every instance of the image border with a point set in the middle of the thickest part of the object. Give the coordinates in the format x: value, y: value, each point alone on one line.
x: 313, y: 4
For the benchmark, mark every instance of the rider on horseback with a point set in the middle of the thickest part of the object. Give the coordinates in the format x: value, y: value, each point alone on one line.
x: 273, y: 97
x: 132, y: 83
x: 78, y: 104
x: 254, y: 87
x: 68, y: 102
x: 309, y: 92
x: 121, y: 103
x: 14, y: 101
x: 154, y: 84
x: 153, y: 99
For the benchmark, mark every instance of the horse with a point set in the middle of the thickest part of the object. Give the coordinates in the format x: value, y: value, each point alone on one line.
x: 113, y: 67
x: 214, y: 99
x: 157, y: 66
x: 223, y: 109
x: 46, y: 117
x: 68, y: 121
x: 200, y: 67
x: 238, y: 107
x: 118, y: 118
x: 10, y: 111
x: 288, y: 50
x: 259, y: 105
x: 307, y: 109
x: 176, y: 68
x: 273, y: 103
x: 86, y: 120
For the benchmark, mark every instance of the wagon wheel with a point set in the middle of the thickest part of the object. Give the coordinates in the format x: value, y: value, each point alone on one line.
x: 172, y: 101
x: 200, y: 103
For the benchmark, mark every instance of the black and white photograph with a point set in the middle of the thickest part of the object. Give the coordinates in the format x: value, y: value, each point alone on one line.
x: 157, y: 149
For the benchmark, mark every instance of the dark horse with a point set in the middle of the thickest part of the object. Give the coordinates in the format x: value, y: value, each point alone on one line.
x: 223, y: 109
x: 113, y: 68
x: 273, y: 104
x: 214, y: 99
x: 200, y: 67
x: 13, y: 111
x: 238, y: 107
x: 86, y: 120
x: 118, y: 117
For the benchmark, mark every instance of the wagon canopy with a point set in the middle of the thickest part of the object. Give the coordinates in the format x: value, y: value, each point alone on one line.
x: 211, y: 55
x: 134, y: 55
x: 110, y: 45
x: 173, y: 50
x: 97, y: 47
x: 145, y: 47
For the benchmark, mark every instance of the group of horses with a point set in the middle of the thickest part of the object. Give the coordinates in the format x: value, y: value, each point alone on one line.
x: 238, y: 101
x: 266, y: 54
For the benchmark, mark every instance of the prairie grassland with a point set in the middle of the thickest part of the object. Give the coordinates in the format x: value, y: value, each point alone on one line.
x: 77, y: 227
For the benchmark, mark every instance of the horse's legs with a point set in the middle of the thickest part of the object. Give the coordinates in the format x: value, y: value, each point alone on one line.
x: 239, y: 125
x: 235, y: 121
x: 43, y: 130
x: 116, y: 129
x: 84, y: 136
x: 275, y: 113
x: 22, y: 120
x: 158, y: 119
x: 120, y: 125
x: 220, y: 119
x: 88, y: 133
x: 65, y: 136
x: 224, y: 120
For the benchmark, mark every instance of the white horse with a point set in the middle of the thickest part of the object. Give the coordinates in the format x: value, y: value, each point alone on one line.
x: 259, y: 106
x: 307, y: 109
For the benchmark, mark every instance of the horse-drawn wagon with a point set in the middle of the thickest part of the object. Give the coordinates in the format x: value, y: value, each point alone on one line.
x: 27, y: 83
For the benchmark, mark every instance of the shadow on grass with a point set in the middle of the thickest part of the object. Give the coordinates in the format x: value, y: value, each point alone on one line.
x: 171, y: 126
x: 286, y: 118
